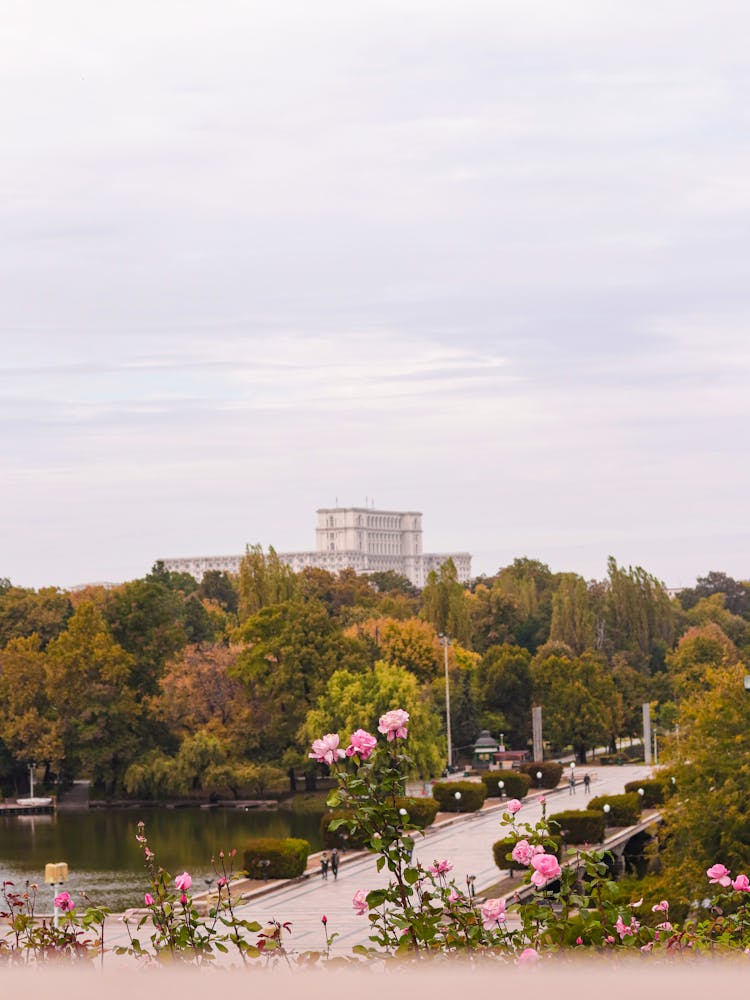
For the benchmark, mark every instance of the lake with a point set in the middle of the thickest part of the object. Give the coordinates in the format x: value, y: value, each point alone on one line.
x: 105, y: 860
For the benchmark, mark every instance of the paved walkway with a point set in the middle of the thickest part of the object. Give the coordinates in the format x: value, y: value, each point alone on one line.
x: 465, y: 841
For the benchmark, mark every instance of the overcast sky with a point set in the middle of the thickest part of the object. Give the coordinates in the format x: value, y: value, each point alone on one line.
x: 487, y: 260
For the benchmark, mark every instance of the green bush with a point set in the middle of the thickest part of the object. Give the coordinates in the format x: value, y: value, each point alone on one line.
x: 625, y: 809
x: 551, y: 772
x: 421, y: 811
x: 502, y: 848
x: 516, y: 785
x: 653, y: 792
x: 580, y: 826
x: 473, y: 794
x: 287, y: 857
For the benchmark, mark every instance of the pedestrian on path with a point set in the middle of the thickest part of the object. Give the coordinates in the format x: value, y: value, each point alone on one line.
x: 587, y: 784
x: 324, y: 866
x: 572, y: 784
x: 335, y: 863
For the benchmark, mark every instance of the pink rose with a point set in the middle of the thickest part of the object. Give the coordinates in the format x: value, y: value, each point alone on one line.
x: 529, y: 956
x: 148, y: 899
x: 326, y: 750
x: 626, y: 930
x: 546, y: 868
x: 221, y: 882
x: 361, y: 743
x: 453, y: 896
x: 661, y: 907
x: 359, y: 902
x: 183, y: 882
x: 666, y: 926
x: 741, y: 884
x: 493, y: 913
x: 541, y: 800
x: 523, y: 852
x: 440, y: 867
x: 718, y: 875
x: 513, y: 806
x: 183, y: 899
x: 64, y: 902
x: 579, y: 940
x: 393, y: 724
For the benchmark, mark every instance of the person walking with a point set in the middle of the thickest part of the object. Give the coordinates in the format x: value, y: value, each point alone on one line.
x: 324, y: 866
x: 587, y: 784
x: 335, y: 863
x: 572, y: 784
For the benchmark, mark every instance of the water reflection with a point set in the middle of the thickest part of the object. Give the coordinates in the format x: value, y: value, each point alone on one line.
x: 105, y: 860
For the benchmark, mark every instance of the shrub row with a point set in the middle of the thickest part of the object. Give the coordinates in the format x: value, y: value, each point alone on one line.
x: 653, y: 792
x: 286, y: 856
x: 473, y: 794
x: 624, y: 810
x: 551, y: 772
x: 580, y: 826
x: 516, y: 785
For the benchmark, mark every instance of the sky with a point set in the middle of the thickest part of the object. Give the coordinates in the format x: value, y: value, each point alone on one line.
x: 486, y: 260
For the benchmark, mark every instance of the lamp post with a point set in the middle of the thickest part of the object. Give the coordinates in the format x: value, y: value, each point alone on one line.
x: 501, y: 787
x: 457, y: 797
x: 56, y: 873
x: 605, y: 808
x: 539, y: 779
x: 445, y: 643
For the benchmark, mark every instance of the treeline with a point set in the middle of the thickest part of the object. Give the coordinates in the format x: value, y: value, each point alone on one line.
x: 166, y: 687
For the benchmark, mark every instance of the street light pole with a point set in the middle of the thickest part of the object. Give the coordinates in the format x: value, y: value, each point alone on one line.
x: 445, y: 643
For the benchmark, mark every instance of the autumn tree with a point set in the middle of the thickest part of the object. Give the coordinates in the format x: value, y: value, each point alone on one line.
x: 87, y: 677
x: 639, y: 615
x: 700, y: 651
x: 707, y: 820
x: 412, y: 643
x: 28, y: 724
x: 30, y: 612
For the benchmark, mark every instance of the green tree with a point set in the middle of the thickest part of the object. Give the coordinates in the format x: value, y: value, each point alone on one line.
x: 530, y: 584
x: 504, y: 691
x: 445, y: 603
x: 146, y: 618
x: 698, y: 653
x: 220, y: 587
x: 292, y: 649
x: 264, y: 580
x: 581, y: 705
x: 639, y: 615
x: 494, y: 617
x: 572, y: 615
x: 357, y: 700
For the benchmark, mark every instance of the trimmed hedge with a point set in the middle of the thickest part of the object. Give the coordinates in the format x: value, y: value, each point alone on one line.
x: 501, y: 848
x: 287, y: 857
x: 473, y: 794
x: 625, y: 810
x: 421, y: 813
x: 581, y: 826
x: 516, y: 785
x: 653, y: 792
x: 551, y: 772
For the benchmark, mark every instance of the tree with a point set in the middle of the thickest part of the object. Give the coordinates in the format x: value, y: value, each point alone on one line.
x: 639, y: 615
x: 700, y: 651
x: 464, y: 717
x: 445, y: 603
x: 504, y: 690
x: 530, y: 584
x: 87, y: 678
x: 353, y: 701
x: 220, y: 587
x: 264, y: 580
x: 581, y: 705
x: 707, y: 820
x: 390, y: 582
x: 736, y: 592
x: 147, y: 619
x: 28, y: 727
x: 29, y: 612
x: 412, y: 643
x: 714, y: 609
x: 292, y: 649
x: 494, y: 617
x: 572, y: 615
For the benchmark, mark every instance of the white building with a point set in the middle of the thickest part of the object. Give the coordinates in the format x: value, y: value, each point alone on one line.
x: 361, y: 538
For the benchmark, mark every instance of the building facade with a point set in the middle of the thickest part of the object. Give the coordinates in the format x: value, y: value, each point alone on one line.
x: 359, y: 538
